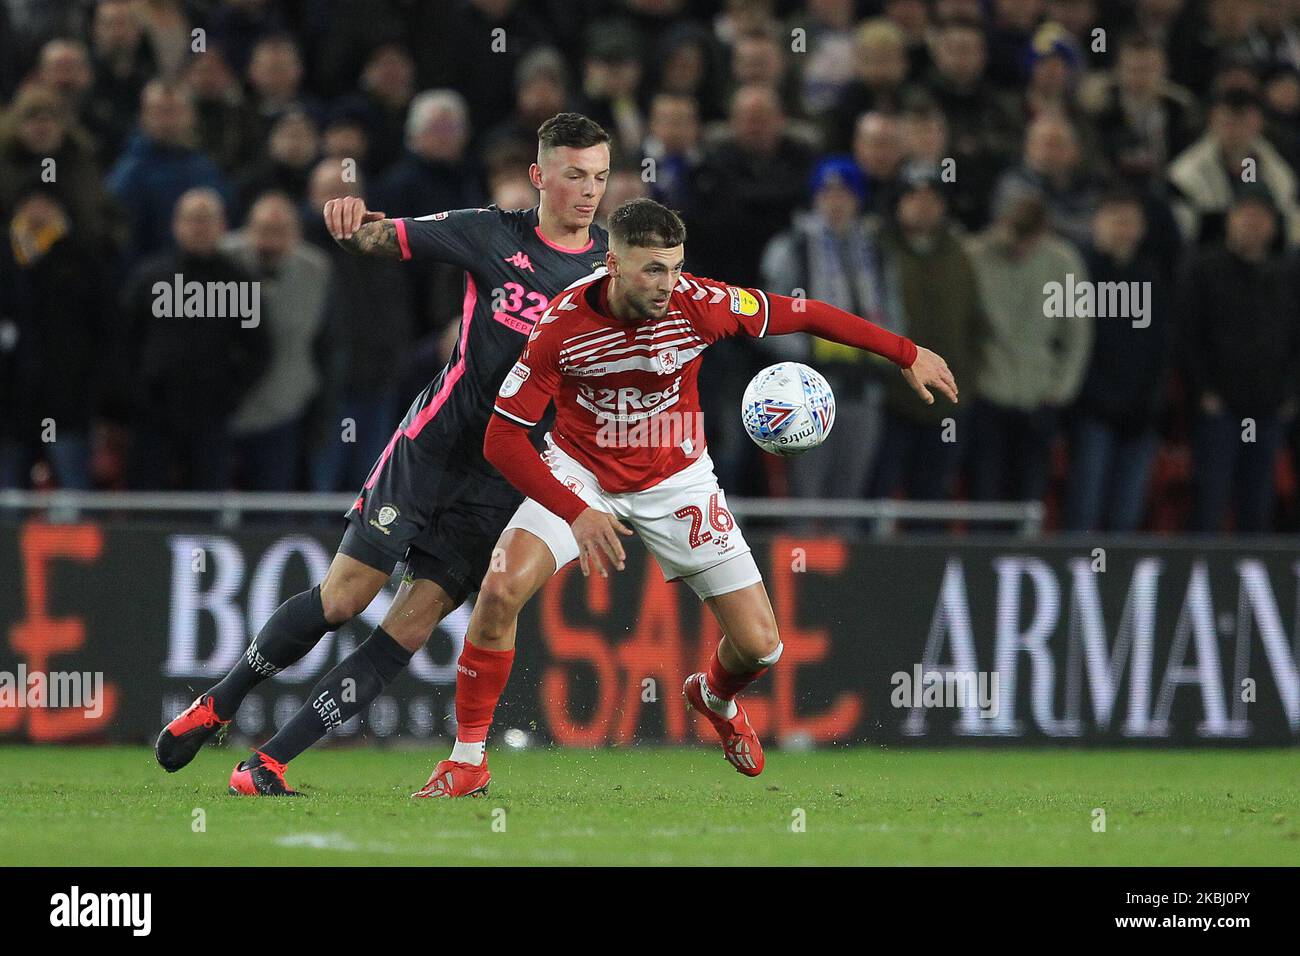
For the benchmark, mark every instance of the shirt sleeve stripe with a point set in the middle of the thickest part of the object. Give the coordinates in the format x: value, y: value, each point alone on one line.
x: 402, y: 244
x: 767, y: 312
x: 518, y: 421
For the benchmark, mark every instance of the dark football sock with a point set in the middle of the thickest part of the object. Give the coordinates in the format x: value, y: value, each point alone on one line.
x: 295, y: 628
x: 341, y: 694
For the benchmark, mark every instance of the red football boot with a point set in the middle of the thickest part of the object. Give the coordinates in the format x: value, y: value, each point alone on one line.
x: 266, y: 779
x: 452, y: 778
x: 739, y: 742
x: 181, y: 739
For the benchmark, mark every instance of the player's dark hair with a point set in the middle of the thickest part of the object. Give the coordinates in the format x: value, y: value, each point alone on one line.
x: 570, y: 129
x: 646, y: 224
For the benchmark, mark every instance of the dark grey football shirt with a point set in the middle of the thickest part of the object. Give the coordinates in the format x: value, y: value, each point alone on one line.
x: 511, y: 273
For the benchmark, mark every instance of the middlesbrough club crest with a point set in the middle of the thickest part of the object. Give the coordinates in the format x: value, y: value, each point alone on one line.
x: 667, y: 360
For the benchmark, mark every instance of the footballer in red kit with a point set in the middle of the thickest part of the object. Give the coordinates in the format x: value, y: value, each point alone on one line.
x: 619, y: 353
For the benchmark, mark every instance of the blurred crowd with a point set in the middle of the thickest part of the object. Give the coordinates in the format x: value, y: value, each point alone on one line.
x: 957, y: 170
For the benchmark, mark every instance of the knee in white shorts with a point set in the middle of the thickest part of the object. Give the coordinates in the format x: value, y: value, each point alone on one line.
x: 772, y: 658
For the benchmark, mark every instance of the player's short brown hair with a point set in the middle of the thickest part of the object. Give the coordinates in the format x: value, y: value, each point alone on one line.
x: 570, y: 129
x: 646, y: 224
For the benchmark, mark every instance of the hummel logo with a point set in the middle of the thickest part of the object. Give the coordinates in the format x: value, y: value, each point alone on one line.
x: 520, y: 261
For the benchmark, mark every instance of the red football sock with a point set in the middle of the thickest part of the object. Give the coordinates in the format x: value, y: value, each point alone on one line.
x: 481, y: 677
x: 726, y: 685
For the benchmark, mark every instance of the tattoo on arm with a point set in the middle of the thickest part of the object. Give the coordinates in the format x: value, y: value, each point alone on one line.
x: 374, y: 239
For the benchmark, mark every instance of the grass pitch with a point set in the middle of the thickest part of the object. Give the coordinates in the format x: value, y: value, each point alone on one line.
x: 113, y: 805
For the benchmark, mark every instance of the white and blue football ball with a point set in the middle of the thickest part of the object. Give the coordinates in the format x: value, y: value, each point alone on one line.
x: 788, y: 409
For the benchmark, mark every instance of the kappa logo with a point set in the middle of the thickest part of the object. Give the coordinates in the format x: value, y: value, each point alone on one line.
x: 520, y: 261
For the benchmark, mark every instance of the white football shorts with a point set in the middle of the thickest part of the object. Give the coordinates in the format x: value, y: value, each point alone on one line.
x: 683, y: 521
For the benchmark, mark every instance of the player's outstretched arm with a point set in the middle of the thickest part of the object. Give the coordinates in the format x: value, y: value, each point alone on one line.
x: 922, y: 368
x: 360, y: 230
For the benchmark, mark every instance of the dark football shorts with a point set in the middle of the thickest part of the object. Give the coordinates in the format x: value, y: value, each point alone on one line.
x: 442, y: 520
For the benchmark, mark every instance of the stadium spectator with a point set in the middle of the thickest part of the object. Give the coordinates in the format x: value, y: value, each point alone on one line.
x: 226, y: 123
x: 292, y: 148
x: 53, y: 328
x: 880, y: 76
x: 1232, y: 156
x: 1053, y: 62
x: 1225, y: 36
x: 924, y: 129
x: 158, y: 165
x: 450, y: 47
x: 913, y: 18
x: 754, y: 175
x: 37, y: 133
x: 832, y: 255
x: 434, y: 173
x: 674, y: 145
x: 183, y: 376
x: 1113, y: 437
x: 827, y: 65
x: 611, y: 78
x: 345, y: 138
x: 362, y: 362
x: 511, y: 191
x: 275, y: 75
x: 123, y: 62
x: 1278, y: 34
x: 758, y: 58
x: 238, y: 25
x: 1053, y: 165
x: 269, y: 425
x: 1141, y: 119
x: 878, y: 151
x: 686, y: 62
x: 983, y: 125
x: 1010, y: 30
x: 169, y: 30
x: 1031, y: 363
x: 921, y: 446
x: 1238, y: 304
x: 64, y: 67
x: 625, y: 182
x: 383, y: 102
x: 1281, y: 95
x: 1079, y: 19
x: 541, y: 90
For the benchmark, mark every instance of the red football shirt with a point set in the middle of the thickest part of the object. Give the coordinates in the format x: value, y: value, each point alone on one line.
x: 627, y: 403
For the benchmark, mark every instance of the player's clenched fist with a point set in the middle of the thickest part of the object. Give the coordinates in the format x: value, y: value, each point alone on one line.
x: 343, y: 216
x: 597, y: 536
